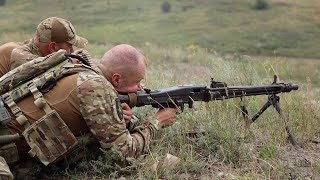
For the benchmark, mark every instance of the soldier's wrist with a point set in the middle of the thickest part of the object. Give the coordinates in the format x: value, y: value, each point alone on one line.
x: 157, y: 124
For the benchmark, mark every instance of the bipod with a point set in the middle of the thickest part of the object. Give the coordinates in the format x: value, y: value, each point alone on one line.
x: 274, y: 100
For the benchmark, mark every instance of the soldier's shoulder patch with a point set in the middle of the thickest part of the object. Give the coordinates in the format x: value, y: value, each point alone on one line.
x: 119, y: 109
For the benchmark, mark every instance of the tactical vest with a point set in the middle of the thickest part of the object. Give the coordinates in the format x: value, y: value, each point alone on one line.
x: 49, y: 137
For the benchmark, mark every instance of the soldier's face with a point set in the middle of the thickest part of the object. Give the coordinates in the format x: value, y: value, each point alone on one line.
x: 132, y: 82
x: 131, y: 85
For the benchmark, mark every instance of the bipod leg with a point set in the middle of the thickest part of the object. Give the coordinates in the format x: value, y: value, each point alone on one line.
x: 245, y: 115
x: 276, y: 104
x: 264, y: 107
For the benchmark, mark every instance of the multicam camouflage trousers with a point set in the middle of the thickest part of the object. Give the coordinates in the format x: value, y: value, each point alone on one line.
x: 5, y: 172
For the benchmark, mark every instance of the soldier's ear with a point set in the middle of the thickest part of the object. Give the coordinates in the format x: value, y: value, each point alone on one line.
x: 115, y: 79
x: 53, y: 47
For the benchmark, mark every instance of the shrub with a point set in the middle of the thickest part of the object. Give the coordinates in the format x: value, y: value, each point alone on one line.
x: 2, y: 2
x: 261, y: 4
x: 166, y: 7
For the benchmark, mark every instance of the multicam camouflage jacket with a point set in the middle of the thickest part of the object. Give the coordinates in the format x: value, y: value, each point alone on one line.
x: 23, y: 54
x: 100, y: 107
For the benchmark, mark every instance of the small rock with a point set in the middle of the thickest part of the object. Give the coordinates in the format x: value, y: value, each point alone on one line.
x: 221, y: 174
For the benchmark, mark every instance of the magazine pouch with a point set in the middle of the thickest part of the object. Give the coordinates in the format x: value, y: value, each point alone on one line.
x: 49, y: 138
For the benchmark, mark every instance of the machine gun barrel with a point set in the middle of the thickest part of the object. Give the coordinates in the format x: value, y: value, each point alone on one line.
x: 228, y: 92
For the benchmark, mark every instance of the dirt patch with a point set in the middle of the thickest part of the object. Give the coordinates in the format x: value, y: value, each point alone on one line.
x: 302, y: 163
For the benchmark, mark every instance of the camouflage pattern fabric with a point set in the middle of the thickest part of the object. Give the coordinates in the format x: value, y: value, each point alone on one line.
x: 59, y: 30
x: 5, y: 55
x: 21, y: 74
x: 30, y: 70
x: 5, y: 173
x: 49, y: 138
x: 99, y: 108
x: 23, y: 54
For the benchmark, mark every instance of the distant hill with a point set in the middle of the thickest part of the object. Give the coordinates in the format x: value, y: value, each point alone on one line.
x: 286, y: 28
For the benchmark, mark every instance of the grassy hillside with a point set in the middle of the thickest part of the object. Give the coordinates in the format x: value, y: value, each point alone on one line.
x: 287, y: 28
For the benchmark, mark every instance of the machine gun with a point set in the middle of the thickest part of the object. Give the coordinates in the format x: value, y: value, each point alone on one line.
x: 178, y: 96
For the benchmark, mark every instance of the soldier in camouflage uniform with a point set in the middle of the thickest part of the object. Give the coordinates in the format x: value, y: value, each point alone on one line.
x: 5, y: 56
x: 51, y: 35
x: 87, y: 102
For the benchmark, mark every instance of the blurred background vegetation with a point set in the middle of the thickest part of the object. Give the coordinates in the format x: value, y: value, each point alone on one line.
x: 253, y: 27
x: 263, y: 29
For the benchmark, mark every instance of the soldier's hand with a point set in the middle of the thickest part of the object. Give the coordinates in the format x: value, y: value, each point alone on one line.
x: 166, y: 116
x: 82, y: 51
x: 78, y: 51
x: 127, y: 112
x: 85, y: 55
x: 74, y: 61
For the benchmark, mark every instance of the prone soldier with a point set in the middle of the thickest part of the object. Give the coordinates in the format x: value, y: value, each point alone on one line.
x: 85, y: 102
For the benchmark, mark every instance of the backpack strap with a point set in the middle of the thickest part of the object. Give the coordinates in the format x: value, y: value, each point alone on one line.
x: 22, y: 120
x: 40, y: 102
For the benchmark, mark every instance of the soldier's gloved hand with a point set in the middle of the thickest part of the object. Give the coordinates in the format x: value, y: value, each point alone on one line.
x: 166, y: 116
x: 84, y: 54
x: 127, y: 112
